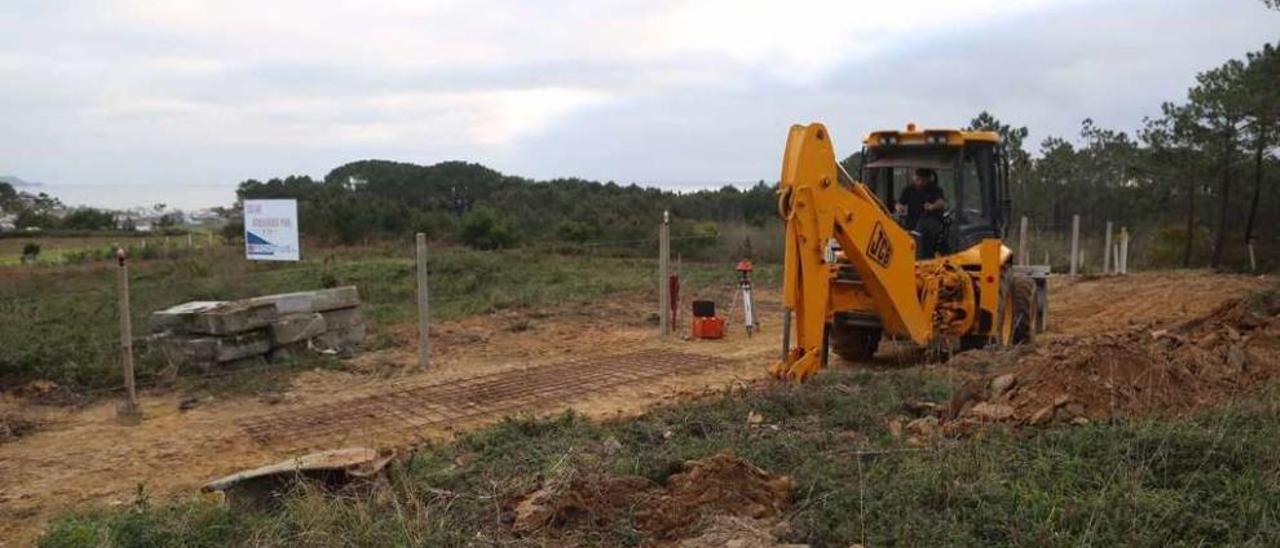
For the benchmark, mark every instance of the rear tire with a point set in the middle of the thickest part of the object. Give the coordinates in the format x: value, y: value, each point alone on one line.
x: 1022, y: 295
x: 855, y: 344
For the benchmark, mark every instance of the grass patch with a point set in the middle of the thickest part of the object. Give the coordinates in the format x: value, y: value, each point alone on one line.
x: 1212, y: 478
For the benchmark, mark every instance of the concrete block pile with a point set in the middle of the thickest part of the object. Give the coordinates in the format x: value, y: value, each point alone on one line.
x: 208, y: 334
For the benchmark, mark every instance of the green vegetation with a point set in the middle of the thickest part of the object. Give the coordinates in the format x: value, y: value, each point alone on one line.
x: 61, y: 323
x: 1209, y: 479
x: 482, y: 208
x: 1205, y: 162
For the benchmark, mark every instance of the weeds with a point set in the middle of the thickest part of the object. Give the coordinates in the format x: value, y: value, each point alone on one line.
x: 1212, y: 478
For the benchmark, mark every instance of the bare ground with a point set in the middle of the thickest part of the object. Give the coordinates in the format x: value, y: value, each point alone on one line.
x: 83, y: 456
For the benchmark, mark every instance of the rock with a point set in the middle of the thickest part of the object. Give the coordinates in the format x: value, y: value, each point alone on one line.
x: 992, y: 411
x: 754, y: 418
x: 926, y: 427
x: 1080, y: 421
x: 534, y: 511
x: 1074, y: 409
x: 1001, y: 384
x: 1061, y: 400
x: 921, y: 408
x: 895, y: 428
x: 1044, y: 414
x: 1237, y: 360
x: 611, y: 445
x: 188, y: 403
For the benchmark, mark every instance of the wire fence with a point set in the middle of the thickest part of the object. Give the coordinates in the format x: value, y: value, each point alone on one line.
x: 61, y: 321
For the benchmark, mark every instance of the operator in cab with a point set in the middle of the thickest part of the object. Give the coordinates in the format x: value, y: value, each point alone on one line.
x: 923, y: 204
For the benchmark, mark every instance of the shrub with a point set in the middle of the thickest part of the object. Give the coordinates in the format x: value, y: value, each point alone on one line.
x: 30, y: 251
x: 485, y: 228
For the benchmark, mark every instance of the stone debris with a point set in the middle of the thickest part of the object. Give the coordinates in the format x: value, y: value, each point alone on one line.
x: 209, y: 334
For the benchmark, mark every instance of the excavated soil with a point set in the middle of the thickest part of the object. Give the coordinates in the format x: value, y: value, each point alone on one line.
x: 1145, y: 368
x: 705, y: 492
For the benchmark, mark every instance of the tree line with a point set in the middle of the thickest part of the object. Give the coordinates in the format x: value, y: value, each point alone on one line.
x: 1202, y: 177
x: 486, y: 209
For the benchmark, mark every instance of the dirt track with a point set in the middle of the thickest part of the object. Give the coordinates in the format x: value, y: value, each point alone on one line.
x: 82, y: 456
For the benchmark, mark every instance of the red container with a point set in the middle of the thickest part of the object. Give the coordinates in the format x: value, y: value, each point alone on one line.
x: 708, y: 328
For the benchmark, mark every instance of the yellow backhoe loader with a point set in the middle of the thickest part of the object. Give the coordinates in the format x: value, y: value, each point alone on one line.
x: 851, y: 270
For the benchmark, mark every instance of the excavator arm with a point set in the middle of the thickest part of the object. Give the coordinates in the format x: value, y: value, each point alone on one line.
x: 816, y: 209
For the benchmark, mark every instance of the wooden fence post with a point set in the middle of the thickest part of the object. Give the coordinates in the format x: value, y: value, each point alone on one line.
x: 1075, y: 244
x: 664, y: 296
x: 424, y: 315
x: 128, y: 411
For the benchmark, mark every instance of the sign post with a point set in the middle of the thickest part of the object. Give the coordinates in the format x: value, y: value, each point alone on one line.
x: 271, y: 230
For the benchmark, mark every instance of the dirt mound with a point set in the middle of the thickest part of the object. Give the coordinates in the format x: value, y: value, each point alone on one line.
x: 1132, y: 371
x: 725, y: 531
x: 584, y: 503
x: 721, y: 486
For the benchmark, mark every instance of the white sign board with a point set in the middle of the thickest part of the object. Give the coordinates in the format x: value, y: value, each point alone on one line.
x: 271, y: 230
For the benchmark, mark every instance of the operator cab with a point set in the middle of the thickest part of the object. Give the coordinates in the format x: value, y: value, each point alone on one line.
x: 972, y: 170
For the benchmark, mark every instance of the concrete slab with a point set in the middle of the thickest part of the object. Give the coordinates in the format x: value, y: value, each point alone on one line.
x: 292, y: 328
x: 206, y: 351
x: 319, y: 300
x: 214, y: 318
x: 173, y: 317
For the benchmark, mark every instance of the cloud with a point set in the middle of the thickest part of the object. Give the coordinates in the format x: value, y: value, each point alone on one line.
x: 678, y: 92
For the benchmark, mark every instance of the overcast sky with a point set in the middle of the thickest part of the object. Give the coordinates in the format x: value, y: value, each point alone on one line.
x: 134, y: 102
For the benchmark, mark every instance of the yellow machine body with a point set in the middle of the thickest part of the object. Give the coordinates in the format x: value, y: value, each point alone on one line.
x: 924, y: 301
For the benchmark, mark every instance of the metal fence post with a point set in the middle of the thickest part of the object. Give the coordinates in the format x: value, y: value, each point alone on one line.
x: 664, y: 296
x: 424, y: 316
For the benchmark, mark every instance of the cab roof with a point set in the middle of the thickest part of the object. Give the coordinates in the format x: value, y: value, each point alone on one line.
x: 912, y: 136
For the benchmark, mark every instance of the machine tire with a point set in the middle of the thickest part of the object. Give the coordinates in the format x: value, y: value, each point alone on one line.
x: 855, y: 344
x: 1022, y: 295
